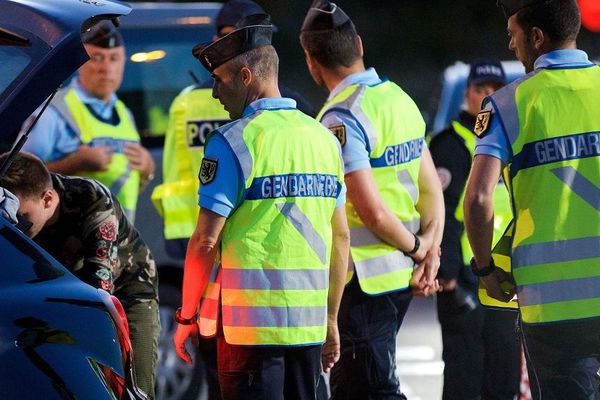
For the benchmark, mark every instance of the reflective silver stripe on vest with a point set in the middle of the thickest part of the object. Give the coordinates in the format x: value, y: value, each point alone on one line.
x: 386, y: 264
x: 554, y: 252
x: 273, y: 316
x: 293, y: 213
x: 59, y: 103
x: 579, y: 184
x: 121, y: 180
x: 552, y: 292
x: 352, y: 104
x: 275, y: 279
x: 233, y: 134
x: 362, y: 236
x: 407, y: 183
x: 506, y: 106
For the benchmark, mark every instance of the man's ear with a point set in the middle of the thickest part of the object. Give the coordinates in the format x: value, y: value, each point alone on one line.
x: 247, y: 76
x: 538, y: 38
x: 360, y: 45
x: 48, y: 198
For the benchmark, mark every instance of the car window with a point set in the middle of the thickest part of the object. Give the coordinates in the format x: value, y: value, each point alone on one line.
x: 14, y: 61
x: 159, y: 62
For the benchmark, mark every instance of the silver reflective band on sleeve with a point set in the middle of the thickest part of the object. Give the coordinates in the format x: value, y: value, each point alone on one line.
x: 555, y: 252
x: 386, y: 264
x: 273, y: 316
x: 552, y: 292
x: 293, y: 213
x: 407, y: 182
x: 579, y: 184
x: 234, y: 136
x: 362, y: 236
x: 275, y: 279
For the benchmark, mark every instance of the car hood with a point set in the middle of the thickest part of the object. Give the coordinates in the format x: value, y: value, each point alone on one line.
x: 40, y: 47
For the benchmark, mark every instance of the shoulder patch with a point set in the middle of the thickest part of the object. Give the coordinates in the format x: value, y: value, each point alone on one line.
x: 482, y: 123
x: 339, y: 132
x: 208, y: 170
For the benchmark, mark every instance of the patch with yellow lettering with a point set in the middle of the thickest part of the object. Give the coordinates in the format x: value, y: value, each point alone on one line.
x: 340, y: 133
x: 208, y: 170
x: 482, y: 122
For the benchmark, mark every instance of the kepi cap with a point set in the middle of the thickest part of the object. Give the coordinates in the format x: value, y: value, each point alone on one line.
x: 485, y: 70
x: 510, y: 7
x: 324, y: 15
x: 104, y: 34
x: 250, y: 33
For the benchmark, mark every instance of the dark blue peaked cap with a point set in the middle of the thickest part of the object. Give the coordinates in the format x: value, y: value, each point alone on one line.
x: 324, y: 15
x: 510, y: 7
x: 104, y: 34
x: 250, y: 33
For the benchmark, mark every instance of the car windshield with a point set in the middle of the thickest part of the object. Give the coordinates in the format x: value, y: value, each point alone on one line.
x: 159, y: 65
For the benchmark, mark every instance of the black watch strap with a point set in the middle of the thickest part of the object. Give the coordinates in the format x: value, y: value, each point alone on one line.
x: 184, y: 321
x: 483, y: 271
x: 417, y: 245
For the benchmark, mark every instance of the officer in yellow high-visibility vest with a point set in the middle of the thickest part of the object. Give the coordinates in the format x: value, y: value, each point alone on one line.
x: 88, y: 131
x: 395, y: 209
x: 545, y: 128
x: 272, y: 201
x: 481, y: 353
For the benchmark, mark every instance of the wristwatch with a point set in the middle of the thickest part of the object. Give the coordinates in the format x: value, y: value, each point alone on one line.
x: 483, y: 271
x: 184, y: 321
x: 417, y: 245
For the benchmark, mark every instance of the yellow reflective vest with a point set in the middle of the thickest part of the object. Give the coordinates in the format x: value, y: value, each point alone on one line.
x: 552, y: 124
x: 193, y: 115
x: 276, y: 245
x: 395, y: 133
x: 120, y: 178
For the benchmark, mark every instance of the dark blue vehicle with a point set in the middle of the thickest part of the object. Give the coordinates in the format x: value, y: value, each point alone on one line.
x: 59, y: 337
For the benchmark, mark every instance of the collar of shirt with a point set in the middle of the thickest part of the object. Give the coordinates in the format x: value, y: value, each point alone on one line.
x: 101, y: 108
x: 566, y: 58
x: 269, y: 103
x: 367, y: 77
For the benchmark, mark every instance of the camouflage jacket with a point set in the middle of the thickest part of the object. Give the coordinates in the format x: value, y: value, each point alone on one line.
x: 93, y: 238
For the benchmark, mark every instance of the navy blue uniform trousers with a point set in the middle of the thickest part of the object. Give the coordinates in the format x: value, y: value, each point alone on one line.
x: 368, y: 327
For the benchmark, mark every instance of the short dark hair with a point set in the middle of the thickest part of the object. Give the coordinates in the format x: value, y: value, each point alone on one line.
x: 559, y: 19
x: 27, y: 175
x: 263, y: 61
x: 333, y: 48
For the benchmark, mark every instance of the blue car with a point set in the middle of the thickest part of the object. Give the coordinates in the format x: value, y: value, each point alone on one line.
x: 59, y: 337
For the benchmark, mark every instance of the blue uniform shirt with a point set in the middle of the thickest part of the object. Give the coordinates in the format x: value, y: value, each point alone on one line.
x: 52, y: 138
x: 355, y: 152
x: 222, y: 195
x: 495, y: 143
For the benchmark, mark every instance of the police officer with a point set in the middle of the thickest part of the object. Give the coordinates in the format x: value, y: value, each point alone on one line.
x: 271, y: 199
x: 481, y: 353
x: 545, y: 127
x: 83, y: 226
x: 88, y: 131
x: 388, y: 169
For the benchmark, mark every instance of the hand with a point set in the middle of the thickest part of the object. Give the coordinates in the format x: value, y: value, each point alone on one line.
x: 493, y: 285
x: 139, y: 158
x: 330, y: 353
x: 426, y: 241
x: 93, y: 158
x: 182, y: 333
x: 419, y: 284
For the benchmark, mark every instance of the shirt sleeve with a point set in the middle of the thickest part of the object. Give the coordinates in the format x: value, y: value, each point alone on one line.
x: 221, y: 195
x: 494, y: 143
x: 354, y: 150
x: 51, y: 138
x: 100, y: 229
